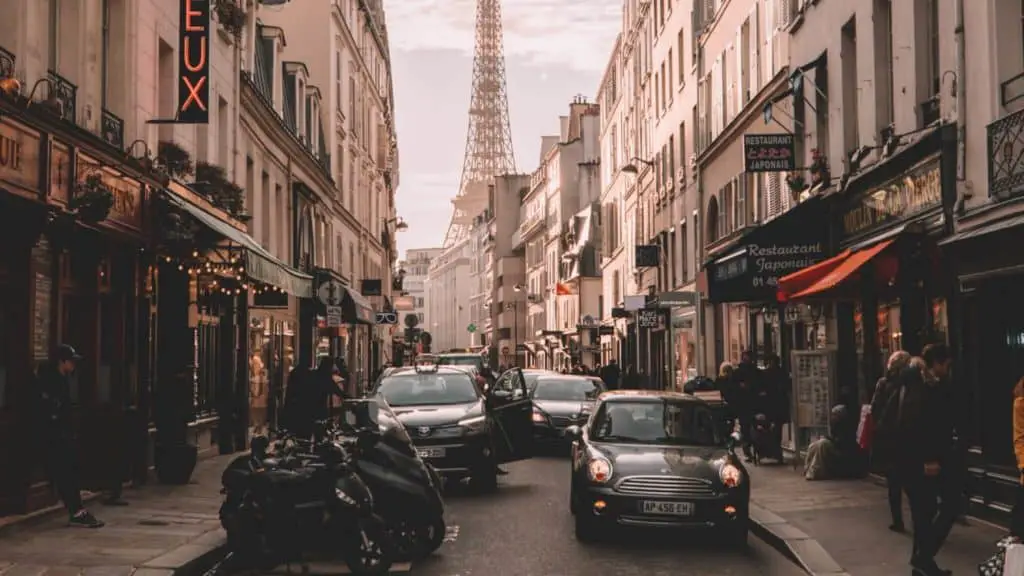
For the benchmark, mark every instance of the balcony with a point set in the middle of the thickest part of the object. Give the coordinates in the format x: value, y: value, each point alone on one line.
x: 530, y: 224
x: 7, y: 62
x: 112, y: 129
x: 1006, y: 155
x: 66, y: 93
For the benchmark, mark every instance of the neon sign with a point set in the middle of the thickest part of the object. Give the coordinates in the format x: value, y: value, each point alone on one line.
x: 194, y: 63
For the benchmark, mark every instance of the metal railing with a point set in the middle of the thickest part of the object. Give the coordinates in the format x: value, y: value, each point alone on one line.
x: 66, y: 93
x: 930, y: 111
x: 1006, y: 155
x: 112, y: 129
x: 7, y: 62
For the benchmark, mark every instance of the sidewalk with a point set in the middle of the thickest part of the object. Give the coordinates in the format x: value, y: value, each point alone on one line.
x: 841, y: 526
x: 167, y: 530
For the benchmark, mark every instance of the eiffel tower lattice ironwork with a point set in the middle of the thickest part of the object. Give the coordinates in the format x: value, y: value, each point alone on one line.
x: 489, y: 137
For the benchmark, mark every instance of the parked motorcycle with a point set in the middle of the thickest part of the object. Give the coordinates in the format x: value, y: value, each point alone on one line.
x: 302, y: 498
x: 407, y: 489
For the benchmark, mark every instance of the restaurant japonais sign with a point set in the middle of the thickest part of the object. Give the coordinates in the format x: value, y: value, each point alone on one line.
x: 917, y: 191
x: 194, y: 63
x: 764, y: 265
x: 769, y: 152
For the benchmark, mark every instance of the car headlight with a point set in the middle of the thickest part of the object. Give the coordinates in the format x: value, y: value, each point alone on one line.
x: 599, y: 470
x: 538, y: 416
x: 473, y: 425
x: 731, y: 476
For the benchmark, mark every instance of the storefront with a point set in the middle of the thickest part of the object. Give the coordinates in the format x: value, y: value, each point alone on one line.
x: 887, y: 287
x: 741, y: 281
x: 227, y: 318
x: 989, y: 270
x: 73, y: 225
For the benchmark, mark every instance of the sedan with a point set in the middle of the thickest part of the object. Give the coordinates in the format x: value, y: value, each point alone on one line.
x: 560, y: 401
x: 657, y: 459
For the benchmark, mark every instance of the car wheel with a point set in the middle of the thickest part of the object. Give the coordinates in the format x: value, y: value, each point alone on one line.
x: 587, y: 528
x: 736, y: 533
x: 485, y: 480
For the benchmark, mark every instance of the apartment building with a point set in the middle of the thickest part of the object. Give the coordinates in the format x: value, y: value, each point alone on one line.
x: 508, y: 301
x: 481, y: 273
x: 530, y: 237
x: 743, y: 70
x: 449, y: 289
x: 344, y: 47
x: 414, y: 271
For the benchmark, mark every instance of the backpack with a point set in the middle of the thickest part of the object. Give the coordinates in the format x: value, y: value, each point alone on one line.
x: 887, y: 421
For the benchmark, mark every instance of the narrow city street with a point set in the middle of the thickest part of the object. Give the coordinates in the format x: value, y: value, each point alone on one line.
x: 526, y: 529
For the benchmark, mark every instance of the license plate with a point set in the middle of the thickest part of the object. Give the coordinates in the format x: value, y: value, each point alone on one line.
x: 431, y: 452
x: 667, y: 508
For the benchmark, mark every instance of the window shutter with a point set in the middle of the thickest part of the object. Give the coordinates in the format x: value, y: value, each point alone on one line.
x: 753, y: 215
x: 731, y: 109
x: 717, y: 85
x: 742, y: 51
x: 709, y: 12
x: 774, y: 195
x: 768, y: 69
x: 741, y: 200
x: 754, y: 79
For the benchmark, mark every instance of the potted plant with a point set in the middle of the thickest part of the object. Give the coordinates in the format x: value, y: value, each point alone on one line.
x: 796, y: 182
x: 92, y: 201
x: 175, y: 159
x: 231, y: 16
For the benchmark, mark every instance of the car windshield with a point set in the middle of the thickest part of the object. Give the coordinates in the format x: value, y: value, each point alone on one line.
x: 573, y: 389
x: 656, y: 421
x: 428, y: 389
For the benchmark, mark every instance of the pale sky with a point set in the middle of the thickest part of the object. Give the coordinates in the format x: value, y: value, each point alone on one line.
x: 554, y: 50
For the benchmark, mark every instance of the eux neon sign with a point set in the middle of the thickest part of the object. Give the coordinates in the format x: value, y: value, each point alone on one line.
x: 194, y: 63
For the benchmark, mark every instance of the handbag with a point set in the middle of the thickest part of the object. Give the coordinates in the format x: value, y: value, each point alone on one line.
x: 865, y: 428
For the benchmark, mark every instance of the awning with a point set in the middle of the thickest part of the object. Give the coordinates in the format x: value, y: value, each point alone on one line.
x: 260, y: 264
x: 803, y: 279
x: 355, y: 309
x: 984, y: 230
x: 847, y: 268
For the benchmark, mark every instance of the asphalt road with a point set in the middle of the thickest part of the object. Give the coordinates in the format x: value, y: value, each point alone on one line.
x: 525, y: 529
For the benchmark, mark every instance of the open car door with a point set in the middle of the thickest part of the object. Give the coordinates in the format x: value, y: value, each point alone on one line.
x: 511, y: 412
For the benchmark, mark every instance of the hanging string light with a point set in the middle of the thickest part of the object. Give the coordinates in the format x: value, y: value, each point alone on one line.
x: 222, y: 276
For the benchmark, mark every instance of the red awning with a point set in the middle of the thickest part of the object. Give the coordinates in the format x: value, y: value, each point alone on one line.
x: 806, y: 277
x: 848, y: 267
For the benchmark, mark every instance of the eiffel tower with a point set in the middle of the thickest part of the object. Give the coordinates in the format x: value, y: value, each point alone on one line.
x: 489, y: 138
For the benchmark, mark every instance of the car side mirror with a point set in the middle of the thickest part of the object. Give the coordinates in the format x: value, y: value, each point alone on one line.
x: 573, y: 432
x: 501, y: 393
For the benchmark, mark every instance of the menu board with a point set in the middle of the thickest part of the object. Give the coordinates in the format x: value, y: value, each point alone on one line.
x: 812, y: 385
x: 42, y: 299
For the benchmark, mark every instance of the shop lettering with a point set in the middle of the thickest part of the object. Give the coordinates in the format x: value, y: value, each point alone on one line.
x: 916, y: 192
x: 19, y: 160
x: 772, y: 262
x: 194, y: 64
x: 769, y: 153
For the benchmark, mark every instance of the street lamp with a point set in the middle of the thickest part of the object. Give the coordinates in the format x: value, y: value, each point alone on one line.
x: 631, y: 168
x: 399, y: 223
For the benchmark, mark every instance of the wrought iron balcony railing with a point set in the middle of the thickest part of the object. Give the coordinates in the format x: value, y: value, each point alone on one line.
x: 112, y: 129
x: 1006, y: 155
x: 66, y: 93
x: 7, y: 62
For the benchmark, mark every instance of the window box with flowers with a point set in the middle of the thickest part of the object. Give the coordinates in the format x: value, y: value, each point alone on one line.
x: 820, y: 174
x: 231, y: 16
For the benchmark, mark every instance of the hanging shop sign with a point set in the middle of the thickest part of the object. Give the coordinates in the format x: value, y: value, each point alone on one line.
x: 194, y: 63
x: 60, y: 171
x: 127, y: 207
x: 769, y: 152
x: 649, y: 318
x: 917, y: 191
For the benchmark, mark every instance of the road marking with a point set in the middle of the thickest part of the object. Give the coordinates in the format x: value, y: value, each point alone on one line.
x: 451, y: 534
x: 331, y: 569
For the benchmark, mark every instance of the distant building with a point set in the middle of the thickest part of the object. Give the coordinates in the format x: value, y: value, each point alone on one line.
x: 416, y: 267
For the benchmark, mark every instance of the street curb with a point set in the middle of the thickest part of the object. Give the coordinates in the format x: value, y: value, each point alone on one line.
x: 15, y: 524
x: 191, y: 559
x: 793, y: 543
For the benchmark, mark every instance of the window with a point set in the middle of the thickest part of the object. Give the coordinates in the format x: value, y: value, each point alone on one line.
x: 351, y: 101
x: 668, y: 75
x: 935, y: 75
x: 665, y: 421
x: 682, y: 154
x: 680, y: 38
x: 54, y: 30
x: 105, y: 57
x: 338, y: 80
x: 684, y: 265
x: 672, y: 162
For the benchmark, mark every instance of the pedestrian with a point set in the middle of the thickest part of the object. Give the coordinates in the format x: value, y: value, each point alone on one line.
x: 884, y: 413
x: 1017, y: 518
x: 747, y: 378
x: 932, y: 454
x: 610, y: 375
x: 345, y: 374
x: 53, y: 419
x: 776, y: 386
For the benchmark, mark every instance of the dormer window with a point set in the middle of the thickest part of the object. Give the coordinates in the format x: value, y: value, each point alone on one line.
x: 300, y: 110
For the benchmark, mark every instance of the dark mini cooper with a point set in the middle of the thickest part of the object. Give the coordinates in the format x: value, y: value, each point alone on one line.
x: 560, y: 401
x: 657, y: 459
x: 457, y: 427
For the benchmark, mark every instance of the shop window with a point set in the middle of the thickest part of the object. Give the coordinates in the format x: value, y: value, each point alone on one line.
x: 737, y: 332
x: 940, y: 322
x: 890, y: 339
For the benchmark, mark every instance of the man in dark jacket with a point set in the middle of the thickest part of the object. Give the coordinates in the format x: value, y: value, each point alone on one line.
x: 56, y: 433
x: 748, y: 382
x: 932, y: 458
x: 610, y: 375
